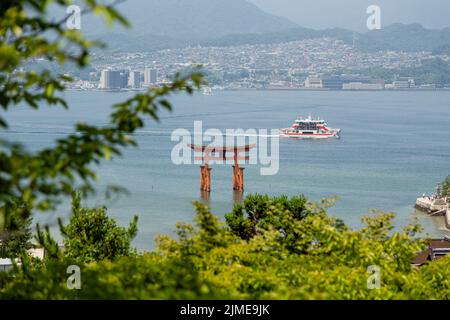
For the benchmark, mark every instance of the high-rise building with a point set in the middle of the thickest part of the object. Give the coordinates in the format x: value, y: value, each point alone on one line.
x: 113, y: 79
x: 153, y: 76
x: 150, y: 76
x: 104, y: 79
x: 124, y: 74
x: 135, y: 79
x: 146, y: 76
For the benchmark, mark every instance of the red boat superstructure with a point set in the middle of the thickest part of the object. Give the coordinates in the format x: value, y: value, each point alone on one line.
x: 309, y: 128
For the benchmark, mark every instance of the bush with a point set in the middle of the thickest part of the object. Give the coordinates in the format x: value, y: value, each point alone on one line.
x: 92, y: 236
x: 291, y: 256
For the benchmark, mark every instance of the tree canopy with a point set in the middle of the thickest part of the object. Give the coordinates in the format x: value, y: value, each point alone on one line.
x: 208, y: 260
x: 446, y: 187
x: 92, y: 236
x: 38, y: 180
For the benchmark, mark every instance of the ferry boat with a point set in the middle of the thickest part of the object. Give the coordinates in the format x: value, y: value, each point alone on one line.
x: 309, y: 128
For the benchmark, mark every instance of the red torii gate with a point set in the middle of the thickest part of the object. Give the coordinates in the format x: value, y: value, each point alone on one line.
x: 205, y: 170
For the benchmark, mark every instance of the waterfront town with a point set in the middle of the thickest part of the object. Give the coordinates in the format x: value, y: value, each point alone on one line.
x: 317, y: 64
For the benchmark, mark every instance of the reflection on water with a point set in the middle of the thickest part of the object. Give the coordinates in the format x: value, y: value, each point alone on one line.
x: 238, y: 197
x: 206, y: 197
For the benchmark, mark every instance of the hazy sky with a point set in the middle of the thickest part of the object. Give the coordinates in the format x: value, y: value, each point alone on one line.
x: 351, y: 14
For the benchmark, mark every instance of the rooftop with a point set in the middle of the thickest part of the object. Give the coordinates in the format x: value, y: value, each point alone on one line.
x: 437, y: 249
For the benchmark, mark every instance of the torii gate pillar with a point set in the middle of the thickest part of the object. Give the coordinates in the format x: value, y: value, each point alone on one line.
x: 207, y: 155
x: 205, y: 178
x: 238, y: 178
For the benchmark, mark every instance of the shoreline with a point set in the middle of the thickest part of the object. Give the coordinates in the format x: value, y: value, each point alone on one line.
x: 280, y: 89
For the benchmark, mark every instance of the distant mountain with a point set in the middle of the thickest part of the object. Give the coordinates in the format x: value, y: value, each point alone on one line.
x: 160, y: 24
x: 405, y: 37
x: 148, y: 42
x: 192, y: 19
x: 294, y: 34
x: 396, y: 37
x: 445, y: 49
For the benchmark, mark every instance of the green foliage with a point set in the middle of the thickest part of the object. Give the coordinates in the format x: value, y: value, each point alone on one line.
x: 446, y: 187
x: 16, y: 240
x: 261, y: 213
x: 432, y: 281
x: 144, y: 277
x: 207, y: 260
x: 38, y: 180
x: 92, y: 236
x: 430, y: 71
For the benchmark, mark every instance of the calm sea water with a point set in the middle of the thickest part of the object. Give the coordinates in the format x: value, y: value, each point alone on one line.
x: 394, y: 147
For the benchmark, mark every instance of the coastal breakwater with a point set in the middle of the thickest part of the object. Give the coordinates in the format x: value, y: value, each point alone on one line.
x: 435, y: 206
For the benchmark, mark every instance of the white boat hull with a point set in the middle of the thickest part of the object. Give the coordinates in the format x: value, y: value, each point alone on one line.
x: 310, y: 128
x: 331, y: 135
